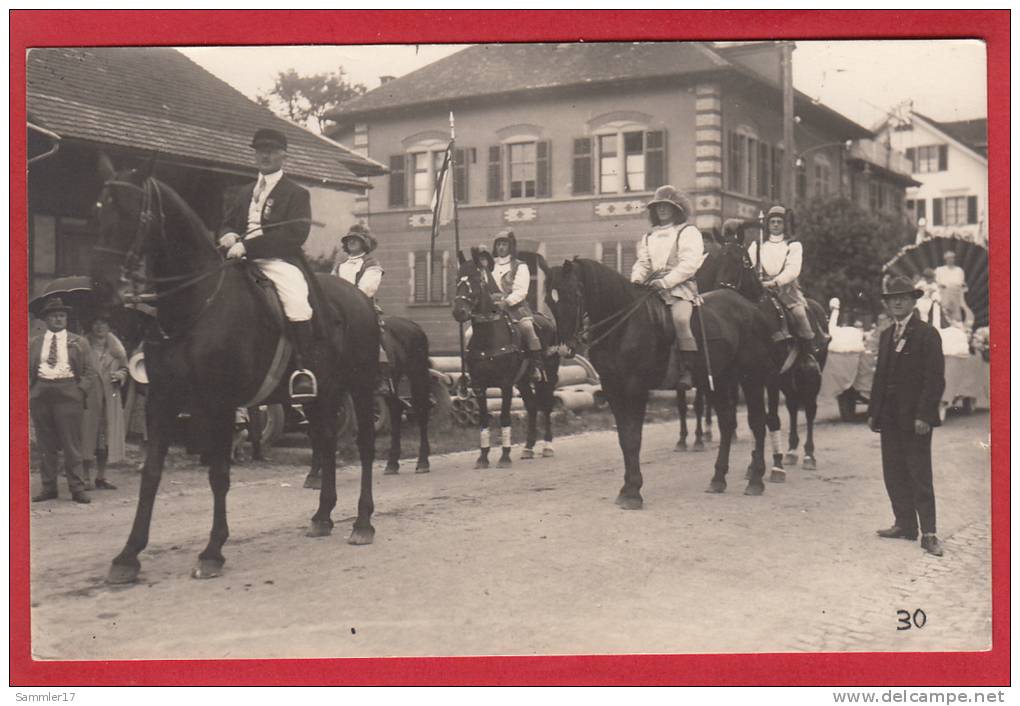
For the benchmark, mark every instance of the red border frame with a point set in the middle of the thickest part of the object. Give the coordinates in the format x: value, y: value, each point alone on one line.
x: 70, y: 28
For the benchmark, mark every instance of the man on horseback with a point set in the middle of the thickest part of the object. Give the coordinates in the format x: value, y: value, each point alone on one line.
x: 268, y: 221
x: 364, y: 271
x: 513, y: 279
x: 780, y: 264
x: 668, y: 258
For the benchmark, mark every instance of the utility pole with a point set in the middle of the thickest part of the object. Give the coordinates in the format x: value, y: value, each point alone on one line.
x: 790, y: 151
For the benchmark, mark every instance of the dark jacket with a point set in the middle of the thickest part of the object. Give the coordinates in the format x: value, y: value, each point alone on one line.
x: 286, y: 202
x: 79, y: 357
x: 915, y: 375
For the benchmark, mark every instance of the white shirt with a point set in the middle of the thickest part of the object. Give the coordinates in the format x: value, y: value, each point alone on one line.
x: 780, y: 260
x: 948, y: 277
x: 258, y: 201
x: 654, y: 257
x: 522, y: 280
x: 62, y: 369
x: 370, y: 280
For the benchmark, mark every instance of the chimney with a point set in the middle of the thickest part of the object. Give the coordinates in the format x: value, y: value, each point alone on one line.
x: 383, y: 80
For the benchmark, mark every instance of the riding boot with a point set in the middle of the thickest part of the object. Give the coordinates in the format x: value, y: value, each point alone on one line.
x: 385, y: 387
x: 806, y: 354
x: 537, y: 366
x: 303, y: 385
x: 685, y: 369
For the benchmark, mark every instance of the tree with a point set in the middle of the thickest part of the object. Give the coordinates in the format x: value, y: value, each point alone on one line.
x: 304, y: 98
x: 845, y: 248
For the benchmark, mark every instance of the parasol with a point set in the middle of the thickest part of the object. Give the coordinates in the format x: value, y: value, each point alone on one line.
x: 75, y: 291
x: 912, y: 260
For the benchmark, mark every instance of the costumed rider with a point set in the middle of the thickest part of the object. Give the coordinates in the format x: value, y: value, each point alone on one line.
x: 513, y: 279
x: 364, y: 271
x: 781, y: 260
x: 668, y: 258
x: 268, y: 221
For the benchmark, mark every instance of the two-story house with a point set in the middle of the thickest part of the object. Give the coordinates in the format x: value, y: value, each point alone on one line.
x: 951, y: 162
x: 565, y: 144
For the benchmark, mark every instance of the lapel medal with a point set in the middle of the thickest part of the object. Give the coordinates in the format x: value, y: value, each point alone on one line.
x: 268, y: 207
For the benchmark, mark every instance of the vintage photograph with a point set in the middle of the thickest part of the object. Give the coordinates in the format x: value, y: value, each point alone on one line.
x: 509, y: 349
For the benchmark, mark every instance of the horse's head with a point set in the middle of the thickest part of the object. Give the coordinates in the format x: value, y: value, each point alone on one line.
x: 473, y: 297
x: 563, y: 294
x: 125, y: 214
x: 735, y: 269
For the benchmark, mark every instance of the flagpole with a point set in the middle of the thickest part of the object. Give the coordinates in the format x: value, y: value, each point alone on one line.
x: 456, y: 232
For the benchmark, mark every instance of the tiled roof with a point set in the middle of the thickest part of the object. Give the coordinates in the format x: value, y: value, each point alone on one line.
x: 973, y: 133
x: 157, y: 99
x: 488, y: 69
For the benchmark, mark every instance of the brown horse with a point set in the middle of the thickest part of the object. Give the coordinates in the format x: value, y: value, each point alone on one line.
x: 211, y: 346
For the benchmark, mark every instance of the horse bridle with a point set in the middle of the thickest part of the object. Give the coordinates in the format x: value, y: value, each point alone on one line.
x: 581, y: 331
x: 745, y: 262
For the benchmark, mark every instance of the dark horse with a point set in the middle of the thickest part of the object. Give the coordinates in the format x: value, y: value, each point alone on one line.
x: 632, y: 334
x: 496, y: 359
x: 407, y: 347
x: 211, y: 348
x: 799, y: 385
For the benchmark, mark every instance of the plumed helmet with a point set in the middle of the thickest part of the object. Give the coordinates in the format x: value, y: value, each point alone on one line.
x: 507, y: 235
x: 362, y: 233
x: 671, y: 195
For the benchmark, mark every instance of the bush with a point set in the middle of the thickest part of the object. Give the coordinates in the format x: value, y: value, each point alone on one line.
x: 845, y: 247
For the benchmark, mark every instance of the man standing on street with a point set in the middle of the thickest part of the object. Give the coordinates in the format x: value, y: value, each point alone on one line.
x: 60, y: 374
x: 908, y: 385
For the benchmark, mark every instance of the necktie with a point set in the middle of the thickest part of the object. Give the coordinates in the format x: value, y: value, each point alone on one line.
x: 260, y: 187
x: 51, y: 359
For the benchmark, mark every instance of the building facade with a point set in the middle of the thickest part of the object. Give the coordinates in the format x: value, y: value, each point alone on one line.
x: 565, y: 144
x: 950, y: 160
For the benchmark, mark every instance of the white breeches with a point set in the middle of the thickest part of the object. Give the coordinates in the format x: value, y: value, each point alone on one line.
x: 290, y: 285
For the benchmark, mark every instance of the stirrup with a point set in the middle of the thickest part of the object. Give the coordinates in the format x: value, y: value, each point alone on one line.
x: 303, y: 377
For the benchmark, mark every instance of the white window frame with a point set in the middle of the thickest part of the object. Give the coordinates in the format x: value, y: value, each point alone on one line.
x: 429, y: 301
x: 509, y: 147
x: 618, y: 129
x: 429, y: 148
x: 959, y: 210
x: 821, y: 184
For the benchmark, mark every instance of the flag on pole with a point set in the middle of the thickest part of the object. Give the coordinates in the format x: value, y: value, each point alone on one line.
x: 442, y: 199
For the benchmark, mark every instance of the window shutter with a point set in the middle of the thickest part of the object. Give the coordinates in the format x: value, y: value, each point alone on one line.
x: 936, y: 212
x: 764, y: 169
x: 398, y: 192
x: 460, y: 175
x: 733, y: 161
x: 419, y: 276
x: 609, y: 256
x: 655, y: 159
x: 495, y: 192
x: 972, y: 211
x: 435, y: 277
x: 943, y: 157
x: 628, y: 256
x: 912, y: 157
x: 582, y: 177
x: 543, y: 169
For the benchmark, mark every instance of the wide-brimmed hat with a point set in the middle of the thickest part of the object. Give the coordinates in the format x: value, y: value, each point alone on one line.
x: 362, y: 233
x: 507, y: 235
x: 51, y: 306
x: 269, y: 137
x: 671, y: 195
x: 900, y: 285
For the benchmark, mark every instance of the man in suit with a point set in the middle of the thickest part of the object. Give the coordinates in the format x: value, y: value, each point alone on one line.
x: 60, y: 374
x: 268, y: 221
x: 905, y: 395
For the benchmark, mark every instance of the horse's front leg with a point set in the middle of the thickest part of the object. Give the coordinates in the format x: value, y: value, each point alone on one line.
x: 531, y: 407
x: 322, y: 418
x: 396, y: 418
x: 793, y: 408
x: 699, y: 412
x: 629, y: 412
x: 754, y: 395
x: 484, y: 440
x: 220, y: 429
x: 681, y: 408
x: 810, y: 410
x: 547, y: 401
x: 420, y: 383
x: 774, y: 424
x: 505, y: 428
x: 726, y: 413
x: 364, y: 408
x: 161, y: 412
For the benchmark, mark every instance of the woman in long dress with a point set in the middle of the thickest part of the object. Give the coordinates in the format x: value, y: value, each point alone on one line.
x: 103, y: 427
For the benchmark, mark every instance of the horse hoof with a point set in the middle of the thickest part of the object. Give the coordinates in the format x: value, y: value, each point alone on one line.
x: 320, y: 529
x: 313, y: 482
x: 778, y: 475
x: 708, y: 435
x: 810, y: 464
x: 628, y: 502
x: 121, y: 574
x: 716, y: 486
x: 681, y: 447
x: 481, y: 464
x: 392, y: 469
x: 361, y: 536
x: 790, y: 459
x: 548, y: 452
x: 698, y: 446
x: 527, y: 454
x: 754, y: 489
x: 504, y: 463
x: 422, y: 468
x: 207, y: 569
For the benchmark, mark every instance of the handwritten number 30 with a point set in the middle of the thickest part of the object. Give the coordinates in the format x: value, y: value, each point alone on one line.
x: 907, y: 621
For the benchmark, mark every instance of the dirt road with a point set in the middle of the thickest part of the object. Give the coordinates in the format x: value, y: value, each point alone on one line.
x: 532, y: 560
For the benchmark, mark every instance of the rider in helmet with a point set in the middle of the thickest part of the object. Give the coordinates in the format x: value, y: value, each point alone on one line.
x: 513, y: 279
x: 364, y: 271
x: 781, y: 260
x: 668, y: 257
